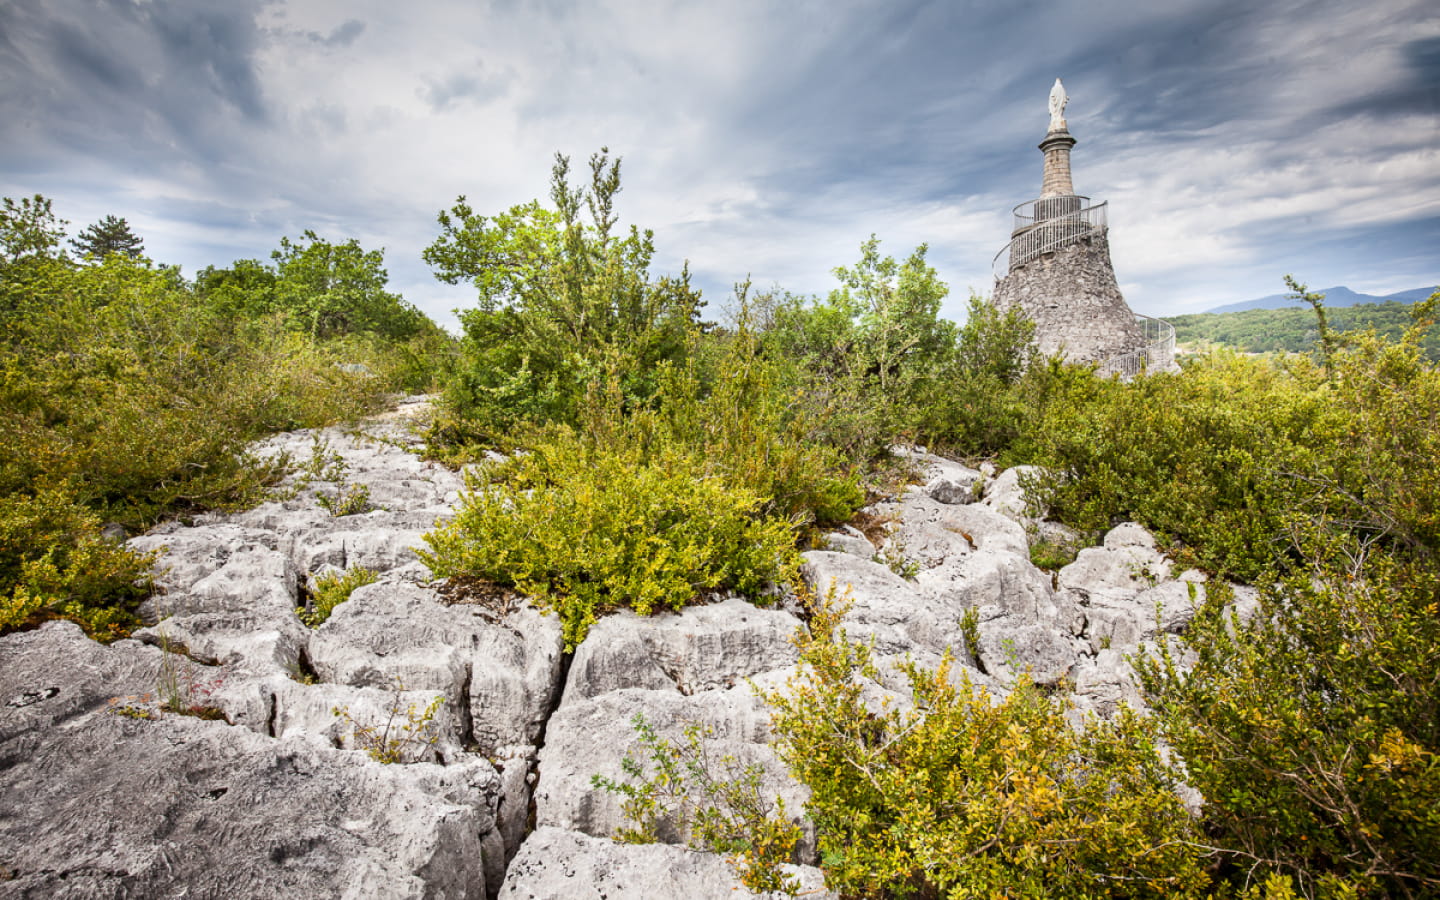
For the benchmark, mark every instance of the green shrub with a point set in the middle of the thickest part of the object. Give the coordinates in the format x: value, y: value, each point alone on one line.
x: 969, y: 796
x: 560, y: 292
x: 589, y: 529
x: 1314, y: 730
x: 55, y: 563
x: 331, y: 590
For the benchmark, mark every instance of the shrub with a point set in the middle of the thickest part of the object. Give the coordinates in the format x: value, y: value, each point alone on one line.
x: 966, y: 795
x: 559, y: 292
x: 55, y: 563
x: 331, y: 590
x: 406, y: 736
x: 587, y: 530
x: 1313, y: 730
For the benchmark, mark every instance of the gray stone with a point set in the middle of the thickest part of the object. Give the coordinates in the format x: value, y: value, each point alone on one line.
x: 98, y: 803
x: 592, y: 737
x: 883, y: 607
x: 1011, y: 646
x: 556, y: 863
x: 1005, y: 494
x: 850, y: 541
x: 1072, y: 297
x: 701, y: 648
x: 504, y: 671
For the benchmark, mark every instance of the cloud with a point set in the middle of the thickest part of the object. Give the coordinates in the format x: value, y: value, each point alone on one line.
x: 758, y: 138
x: 467, y: 85
x: 343, y: 35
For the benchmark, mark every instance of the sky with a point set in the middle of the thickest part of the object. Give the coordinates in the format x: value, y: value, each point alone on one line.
x: 1235, y: 142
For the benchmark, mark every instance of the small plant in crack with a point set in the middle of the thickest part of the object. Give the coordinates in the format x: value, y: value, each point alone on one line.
x: 408, y: 733
x: 717, y: 804
x: 183, y: 686
x: 350, y: 500
x: 893, y: 556
x: 331, y: 590
x: 324, y: 464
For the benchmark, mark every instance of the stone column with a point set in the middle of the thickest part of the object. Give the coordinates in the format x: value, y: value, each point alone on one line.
x: 1056, y: 148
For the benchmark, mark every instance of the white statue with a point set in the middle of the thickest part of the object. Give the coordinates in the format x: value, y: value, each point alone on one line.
x: 1058, y: 99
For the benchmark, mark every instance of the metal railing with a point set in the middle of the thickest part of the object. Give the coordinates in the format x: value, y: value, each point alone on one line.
x: 1032, y: 211
x: 1071, y: 221
x: 1156, y: 353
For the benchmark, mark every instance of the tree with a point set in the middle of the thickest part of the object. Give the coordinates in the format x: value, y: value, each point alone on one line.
x: 563, y: 299
x: 331, y: 289
x: 246, y: 289
x: 29, y: 229
x: 109, y: 235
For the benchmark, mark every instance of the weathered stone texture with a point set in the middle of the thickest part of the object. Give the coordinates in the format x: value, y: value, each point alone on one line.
x: 1075, y: 302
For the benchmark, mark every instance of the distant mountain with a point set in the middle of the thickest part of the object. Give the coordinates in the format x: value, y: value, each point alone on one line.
x: 1334, y: 296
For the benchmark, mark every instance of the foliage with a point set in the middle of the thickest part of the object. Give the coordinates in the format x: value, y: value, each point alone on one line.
x: 332, y: 289
x: 332, y: 589
x: 966, y: 795
x: 713, y: 804
x: 124, y: 397
x: 183, y: 686
x: 984, y: 407
x: 869, y: 359
x: 350, y: 500
x: 558, y: 293
x: 109, y: 235
x: 1314, y: 728
x: 55, y: 563
x: 406, y: 736
x: 1293, y: 330
x: 1222, y: 457
x: 588, y: 528
x: 29, y: 230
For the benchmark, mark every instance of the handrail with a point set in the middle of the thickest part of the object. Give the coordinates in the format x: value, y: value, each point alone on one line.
x: 1032, y: 211
x: 1156, y: 354
x: 1072, y: 221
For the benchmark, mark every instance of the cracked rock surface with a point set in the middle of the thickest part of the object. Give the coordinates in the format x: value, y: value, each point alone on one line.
x: 103, y: 793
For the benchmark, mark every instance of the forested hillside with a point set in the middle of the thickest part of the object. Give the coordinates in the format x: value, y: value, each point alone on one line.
x: 1293, y: 330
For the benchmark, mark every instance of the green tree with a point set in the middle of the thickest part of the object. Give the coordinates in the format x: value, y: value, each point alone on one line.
x: 29, y: 229
x: 870, y: 357
x: 109, y: 235
x: 245, y: 289
x: 563, y: 298
x: 332, y: 289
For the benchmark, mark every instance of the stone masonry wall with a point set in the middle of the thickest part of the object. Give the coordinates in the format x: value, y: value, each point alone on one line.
x: 1075, y: 302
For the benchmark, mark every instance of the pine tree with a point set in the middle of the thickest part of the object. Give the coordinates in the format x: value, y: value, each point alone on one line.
x: 109, y: 235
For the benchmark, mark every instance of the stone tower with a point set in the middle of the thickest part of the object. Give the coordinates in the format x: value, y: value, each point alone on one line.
x: 1057, y: 269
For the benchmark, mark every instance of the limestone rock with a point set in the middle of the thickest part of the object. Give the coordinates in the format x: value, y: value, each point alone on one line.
x: 591, y: 737
x: 698, y: 649
x: 557, y: 863
x: 505, y: 671
x: 1006, y: 496
x: 96, y: 803
x: 884, y: 607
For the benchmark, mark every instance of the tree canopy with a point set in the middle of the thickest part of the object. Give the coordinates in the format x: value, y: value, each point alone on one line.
x: 109, y: 235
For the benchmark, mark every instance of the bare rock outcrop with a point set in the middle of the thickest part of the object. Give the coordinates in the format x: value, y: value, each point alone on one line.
x: 102, y: 798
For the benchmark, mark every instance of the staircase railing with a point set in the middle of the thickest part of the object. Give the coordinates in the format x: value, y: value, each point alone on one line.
x: 1045, y: 225
x: 1156, y: 354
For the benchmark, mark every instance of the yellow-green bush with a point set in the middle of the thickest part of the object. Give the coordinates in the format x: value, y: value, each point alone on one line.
x: 967, y: 795
x: 54, y: 562
x: 1314, y: 730
x: 331, y: 590
x: 590, y: 529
